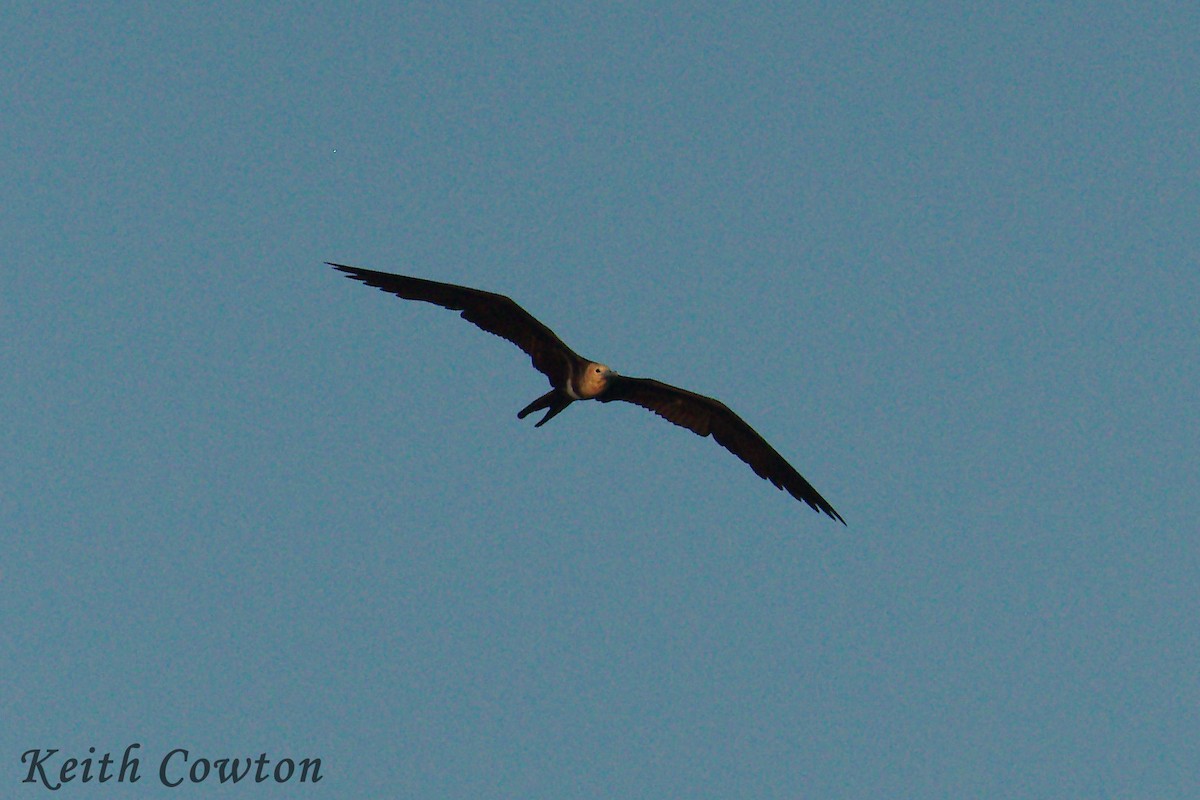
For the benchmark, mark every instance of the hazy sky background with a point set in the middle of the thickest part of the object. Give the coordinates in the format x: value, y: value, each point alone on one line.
x: 946, y: 258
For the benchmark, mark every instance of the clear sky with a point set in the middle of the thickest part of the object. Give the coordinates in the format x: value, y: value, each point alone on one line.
x: 945, y: 257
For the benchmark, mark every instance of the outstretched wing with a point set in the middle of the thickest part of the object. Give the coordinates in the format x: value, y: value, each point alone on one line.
x: 495, y: 313
x: 704, y: 415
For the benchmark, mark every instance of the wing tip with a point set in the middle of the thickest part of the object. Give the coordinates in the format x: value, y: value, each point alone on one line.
x: 822, y: 506
x: 816, y: 503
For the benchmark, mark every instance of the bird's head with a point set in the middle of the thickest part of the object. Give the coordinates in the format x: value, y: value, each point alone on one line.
x: 594, y: 379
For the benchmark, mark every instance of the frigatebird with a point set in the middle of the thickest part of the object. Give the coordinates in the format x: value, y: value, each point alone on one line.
x: 573, y: 377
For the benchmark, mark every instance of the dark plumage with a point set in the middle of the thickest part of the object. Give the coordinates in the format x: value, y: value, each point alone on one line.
x: 573, y: 377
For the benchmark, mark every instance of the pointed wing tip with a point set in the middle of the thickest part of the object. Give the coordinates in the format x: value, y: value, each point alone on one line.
x: 821, y: 506
x: 354, y: 273
x: 828, y: 510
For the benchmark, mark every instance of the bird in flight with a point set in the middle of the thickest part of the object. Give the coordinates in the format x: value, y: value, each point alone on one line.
x: 573, y: 377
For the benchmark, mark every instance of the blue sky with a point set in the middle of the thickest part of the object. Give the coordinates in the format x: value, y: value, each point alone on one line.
x: 944, y: 258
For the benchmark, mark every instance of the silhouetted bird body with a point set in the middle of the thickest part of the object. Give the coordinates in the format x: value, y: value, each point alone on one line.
x: 573, y: 378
